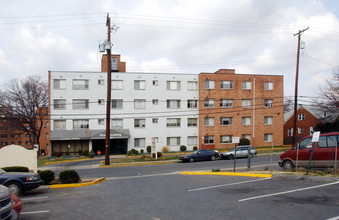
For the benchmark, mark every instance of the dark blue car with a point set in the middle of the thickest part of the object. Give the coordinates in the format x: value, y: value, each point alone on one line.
x: 20, y: 182
x: 200, y: 155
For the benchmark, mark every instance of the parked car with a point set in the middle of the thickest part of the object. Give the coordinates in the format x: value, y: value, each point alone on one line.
x: 323, y: 155
x: 18, y: 182
x: 242, y: 151
x: 5, y: 203
x: 200, y: 155
x: 17, y: 206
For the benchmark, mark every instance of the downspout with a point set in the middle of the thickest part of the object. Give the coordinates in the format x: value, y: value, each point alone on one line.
x: 253, y: 109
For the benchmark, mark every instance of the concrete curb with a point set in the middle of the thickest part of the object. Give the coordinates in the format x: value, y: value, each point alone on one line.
x: 59, y: 186
x: 65, y: 161
x: 228, y: 174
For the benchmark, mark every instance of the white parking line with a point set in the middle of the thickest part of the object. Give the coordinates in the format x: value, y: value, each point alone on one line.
x: 35, y: 212
x: 229, y: 184
x: 334, y: 218
x: 34, y: 198
x: 286, y: 192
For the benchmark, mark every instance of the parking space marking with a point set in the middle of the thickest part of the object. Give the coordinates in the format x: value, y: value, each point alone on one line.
x: 334, y: 218
x: 34, y: 198
x: 35, y: 212
x: 229, y: 184
x: 289, y: 191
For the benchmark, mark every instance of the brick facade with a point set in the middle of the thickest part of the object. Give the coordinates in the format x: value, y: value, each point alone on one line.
x: 121, y: 66
x: 248, y: 120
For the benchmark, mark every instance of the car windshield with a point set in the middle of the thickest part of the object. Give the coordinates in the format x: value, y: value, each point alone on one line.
x: 195, y: 152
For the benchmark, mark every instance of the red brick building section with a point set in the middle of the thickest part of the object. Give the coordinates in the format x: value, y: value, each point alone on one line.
x: 240, y: 105
x: 306, y: 121
x: 117, y: 65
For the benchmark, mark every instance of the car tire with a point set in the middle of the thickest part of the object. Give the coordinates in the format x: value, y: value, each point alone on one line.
x: 231, y: 157
x: 287, y: 165
x: 191, y: 159
x: 14, y: 187
x: 213, y: 158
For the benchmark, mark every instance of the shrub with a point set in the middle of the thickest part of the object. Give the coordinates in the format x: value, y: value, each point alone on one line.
x: 142, y: 151
x: 149, y: 149
x: 80, y: 152
x: 16, y: 169
x: 244, y: 141
x: 91, y: 154
x: 165, y: 149
x: 69, y: 176
x: 183, y: 148
x: 132, y: 152
x: 85, y: 153
x: 195, y: 148
x: 47, y: 176
x: 159, y: 154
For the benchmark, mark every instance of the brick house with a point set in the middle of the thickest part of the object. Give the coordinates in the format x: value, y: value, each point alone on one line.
x: 240, y: 105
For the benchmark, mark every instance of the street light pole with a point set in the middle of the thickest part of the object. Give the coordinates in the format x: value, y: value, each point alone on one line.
x: 108, y: 101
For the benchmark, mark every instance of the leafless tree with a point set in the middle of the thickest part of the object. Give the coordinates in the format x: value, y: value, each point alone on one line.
x: 329, y: 98
x: 288, y: 104
x: 24, y: 104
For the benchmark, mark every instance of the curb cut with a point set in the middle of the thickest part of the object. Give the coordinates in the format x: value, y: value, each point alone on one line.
x: 59, y: 186
x: 228, y: 174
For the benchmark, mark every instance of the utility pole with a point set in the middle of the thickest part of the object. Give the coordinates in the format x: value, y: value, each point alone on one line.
x: 108, y: 101
x: 296, y: 87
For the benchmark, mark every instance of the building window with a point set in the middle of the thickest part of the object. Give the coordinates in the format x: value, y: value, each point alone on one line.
x: 209, y: 121
x: 79, y: 104
x: 155, y: 101
x: 268, y: 103
x: 80, y: 84
x: 209, y: 139
x: 226, y: 84
x: 226, y: 120
x: 268, y: 85
x: 268, y: 120
x: 173, y: 122
x: 173, y: 104
x: 116, y: 123
x: 246, y: 85
x: 101, y: 101
x: 155, y: 82
x: 209, y: 84
x: 225, y: 139
x: 116, y: 84
x: 290, y: 132
x: 192, y: 122
x: 139, y: 142
x: 311, y: 130
x: 246, y: 136
x: 209, y: 103
x: 80, y: 124
x: 139, y: 103
x: 246, y: 103
x: 139, y: 84
x: 101, y: 82
x: 192, y: 141
x: 59, y: 124
x: 192, y: 103
x: 301, y: 117
x: 47, y: 135
x: 300, y: 130
x: 139, y: 123
x: 173, y: 141
x: 192, y: 85
x: 59, y: 104
x: 117, y: 103
x: 101, y: 121
x: 246, y: 120
x: 59, y: 84
x: 226, y: 103
x: 173, y: 85
x: 155, y: 120
x: 268, y: 137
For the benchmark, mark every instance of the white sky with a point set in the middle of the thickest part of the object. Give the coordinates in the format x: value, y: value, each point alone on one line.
x: 186, y: 36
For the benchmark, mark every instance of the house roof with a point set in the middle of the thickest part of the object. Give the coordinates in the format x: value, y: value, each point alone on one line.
x: 314, y: 111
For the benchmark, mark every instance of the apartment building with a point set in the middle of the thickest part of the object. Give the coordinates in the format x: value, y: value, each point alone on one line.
x: 240, y: 105
x: 143, y: 106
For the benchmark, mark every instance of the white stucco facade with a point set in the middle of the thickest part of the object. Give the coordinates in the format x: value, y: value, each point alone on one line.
x: 144, y: 105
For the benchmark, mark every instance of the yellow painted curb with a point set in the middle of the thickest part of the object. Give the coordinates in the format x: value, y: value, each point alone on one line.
x: 228, y: 174
x: 59, y: 186
x: 137, y: 164
x: 65, y: 161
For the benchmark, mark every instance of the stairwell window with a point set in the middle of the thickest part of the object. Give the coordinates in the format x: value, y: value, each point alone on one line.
x: 209, y: 121
x: 268, y: 120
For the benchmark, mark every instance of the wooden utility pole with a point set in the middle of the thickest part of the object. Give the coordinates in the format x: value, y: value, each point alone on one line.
x: 296, y: 87
x: 108, y: 101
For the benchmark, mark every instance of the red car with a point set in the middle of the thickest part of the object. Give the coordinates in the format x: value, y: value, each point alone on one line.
x: 17, y: 205
x: 323, y: 155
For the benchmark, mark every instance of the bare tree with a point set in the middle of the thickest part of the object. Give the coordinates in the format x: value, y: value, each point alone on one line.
x: 24, y: 105
x: 288, y: 104
x: 329, y: 98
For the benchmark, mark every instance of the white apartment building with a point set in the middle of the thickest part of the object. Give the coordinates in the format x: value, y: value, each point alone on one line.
x: 143, y: 106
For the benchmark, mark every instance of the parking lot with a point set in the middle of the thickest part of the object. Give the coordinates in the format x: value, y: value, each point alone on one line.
x: 176, y: 196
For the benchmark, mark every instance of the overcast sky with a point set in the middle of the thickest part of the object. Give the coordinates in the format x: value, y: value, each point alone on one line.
x: 173, y: 36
